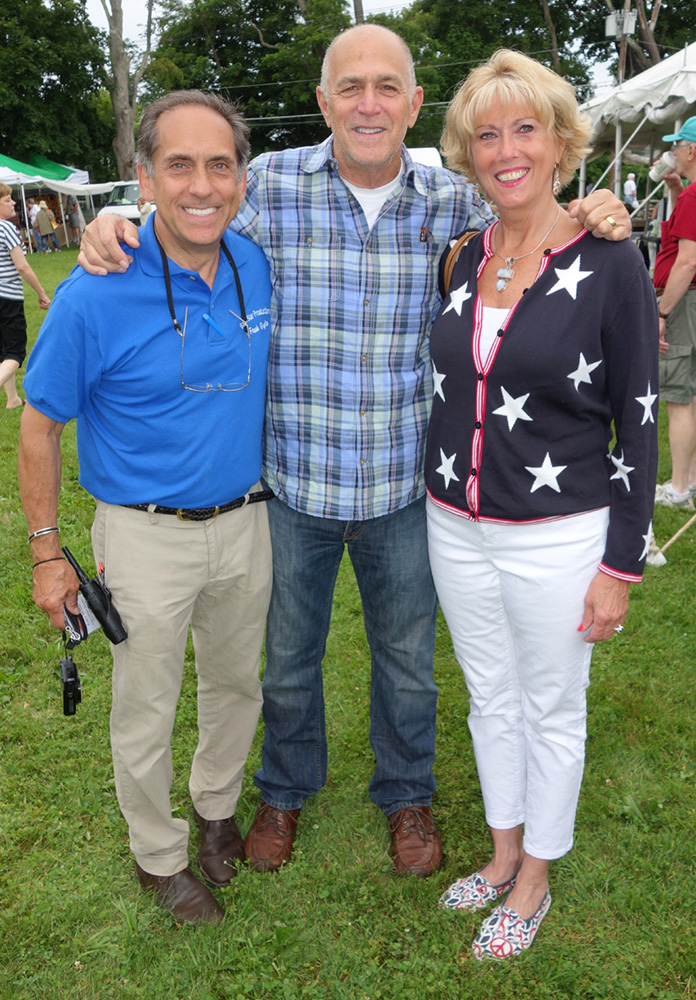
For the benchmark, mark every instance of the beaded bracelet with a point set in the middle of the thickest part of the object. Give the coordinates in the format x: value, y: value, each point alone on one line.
x: 42, y: 531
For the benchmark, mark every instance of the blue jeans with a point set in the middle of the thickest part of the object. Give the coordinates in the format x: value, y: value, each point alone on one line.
x: 390, y: 559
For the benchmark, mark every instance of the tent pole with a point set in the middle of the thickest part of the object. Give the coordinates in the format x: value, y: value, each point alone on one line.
x: 62, y: 215
x: 582, y: 181
x: 26, y: 216
x: 623, y: 148
x: 618, y: 150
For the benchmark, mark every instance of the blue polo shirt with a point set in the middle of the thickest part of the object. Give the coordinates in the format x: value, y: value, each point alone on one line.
x: 108, y: 355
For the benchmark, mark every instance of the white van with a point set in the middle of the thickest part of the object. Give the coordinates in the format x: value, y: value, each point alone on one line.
x: 123, y: 200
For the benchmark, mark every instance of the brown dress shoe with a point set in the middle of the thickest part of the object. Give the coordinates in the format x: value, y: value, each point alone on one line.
x: 187, y: 899
x: 221, y: 848
x: 415, y: 845
x: 269, y: 842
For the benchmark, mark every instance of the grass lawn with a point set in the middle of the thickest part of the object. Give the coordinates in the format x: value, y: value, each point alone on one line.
x: 336, y: 923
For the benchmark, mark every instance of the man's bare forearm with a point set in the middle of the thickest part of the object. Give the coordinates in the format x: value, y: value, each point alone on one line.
x: 39, y: 470
x: 680, y: 277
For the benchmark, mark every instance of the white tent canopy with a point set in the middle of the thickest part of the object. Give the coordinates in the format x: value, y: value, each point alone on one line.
x: 8, y: 176
x: 644, y: 108
x: 77, y: 183
x: 74, y: 187
x: 646, y: 105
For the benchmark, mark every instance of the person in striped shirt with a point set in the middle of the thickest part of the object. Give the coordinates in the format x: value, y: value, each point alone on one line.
x: 13, y: 325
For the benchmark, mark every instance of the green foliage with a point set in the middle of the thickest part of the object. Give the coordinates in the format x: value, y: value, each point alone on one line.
x: 448, y: 38
x: 51, y: 68
x: 336, y: 923
x: 674, y: 29
x: 267, y: 56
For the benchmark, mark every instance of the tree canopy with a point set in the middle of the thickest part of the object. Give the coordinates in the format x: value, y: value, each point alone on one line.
x: 267, y: 55
x: 51, y: 71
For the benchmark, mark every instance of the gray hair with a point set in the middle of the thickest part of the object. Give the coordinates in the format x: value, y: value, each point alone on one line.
x: 410, y: 68
x: 148, y: 133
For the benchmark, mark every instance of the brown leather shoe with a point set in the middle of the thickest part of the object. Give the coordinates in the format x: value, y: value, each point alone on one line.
x: 187, y: 899
x: 221, y: 848
x: 268, y: 844
x: 415, y: 845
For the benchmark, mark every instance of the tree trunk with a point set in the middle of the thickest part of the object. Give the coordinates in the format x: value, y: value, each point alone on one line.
x: 647, y: 30
x: 123, y: 89
x: 552, y: 33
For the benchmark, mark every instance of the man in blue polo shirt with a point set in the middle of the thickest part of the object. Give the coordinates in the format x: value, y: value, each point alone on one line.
x: 164, y: 370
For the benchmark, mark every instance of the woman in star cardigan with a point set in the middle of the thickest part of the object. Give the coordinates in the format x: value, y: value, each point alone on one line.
x: 545, y: 345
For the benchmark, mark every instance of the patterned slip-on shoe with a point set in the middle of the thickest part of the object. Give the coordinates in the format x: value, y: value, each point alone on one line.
x: 474, y: 892
x: 505, y: 934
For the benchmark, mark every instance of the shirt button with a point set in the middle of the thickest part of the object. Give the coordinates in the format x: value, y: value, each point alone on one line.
x: 309, y: 241
x: 500, y: 333
x: 480, y: 377
x: 473, y: 472
x: 366, y: 302
x: 363, y: 358
x: 478, y: 425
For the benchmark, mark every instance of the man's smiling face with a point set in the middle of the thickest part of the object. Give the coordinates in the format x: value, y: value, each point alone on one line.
x: 195, y: 182
x: 369, y: 105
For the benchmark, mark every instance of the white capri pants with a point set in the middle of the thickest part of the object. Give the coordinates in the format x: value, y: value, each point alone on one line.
x: 513, y: 597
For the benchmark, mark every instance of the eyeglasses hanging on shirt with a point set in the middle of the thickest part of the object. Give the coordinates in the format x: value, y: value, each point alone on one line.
x: 233, y: 386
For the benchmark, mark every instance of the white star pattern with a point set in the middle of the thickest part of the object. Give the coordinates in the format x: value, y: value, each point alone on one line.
x: 647, y: 402
x: 622, y: 470
x: 582, y: 372
x: 569, y: 278
x: 458, y: 297
x: 438, y: 379
x: 546, y: 474
x: 513, y: 409
x: 446, y: 469
x: 646, y: 546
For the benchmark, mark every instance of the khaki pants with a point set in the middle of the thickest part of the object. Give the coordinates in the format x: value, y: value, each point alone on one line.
x: 164, y: 575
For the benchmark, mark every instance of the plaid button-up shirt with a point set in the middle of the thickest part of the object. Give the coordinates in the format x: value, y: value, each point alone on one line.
x: 349, y: 377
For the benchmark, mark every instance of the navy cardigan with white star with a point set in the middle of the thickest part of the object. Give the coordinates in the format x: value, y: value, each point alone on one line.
x: 525, y: 433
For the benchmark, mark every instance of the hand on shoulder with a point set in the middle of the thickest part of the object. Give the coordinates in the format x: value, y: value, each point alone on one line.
x: 100, y: 250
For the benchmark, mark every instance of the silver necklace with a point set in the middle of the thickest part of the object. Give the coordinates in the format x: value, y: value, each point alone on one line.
x: 506, y: 273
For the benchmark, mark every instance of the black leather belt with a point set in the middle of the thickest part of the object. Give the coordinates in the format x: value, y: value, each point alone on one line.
x: 203, y: 513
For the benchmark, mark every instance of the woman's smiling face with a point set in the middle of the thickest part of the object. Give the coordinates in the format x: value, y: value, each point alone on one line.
x: 514, y: 156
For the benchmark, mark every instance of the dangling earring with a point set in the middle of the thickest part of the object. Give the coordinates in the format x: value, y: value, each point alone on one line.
x: 556, y: 179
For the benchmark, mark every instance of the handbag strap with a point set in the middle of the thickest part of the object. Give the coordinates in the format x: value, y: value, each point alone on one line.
x: 453, y: 256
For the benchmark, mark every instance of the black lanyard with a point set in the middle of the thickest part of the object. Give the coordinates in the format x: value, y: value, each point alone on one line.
x: 168, y: 285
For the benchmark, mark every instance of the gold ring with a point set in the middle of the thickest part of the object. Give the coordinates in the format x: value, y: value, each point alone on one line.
x: 612, y: 222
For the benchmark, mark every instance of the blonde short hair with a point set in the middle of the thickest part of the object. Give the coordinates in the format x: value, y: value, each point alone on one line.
x: 515, y: 80
x: 5, y: 189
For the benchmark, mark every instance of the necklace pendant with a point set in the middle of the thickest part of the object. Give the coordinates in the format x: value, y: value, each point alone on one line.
x: 504, y: 275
